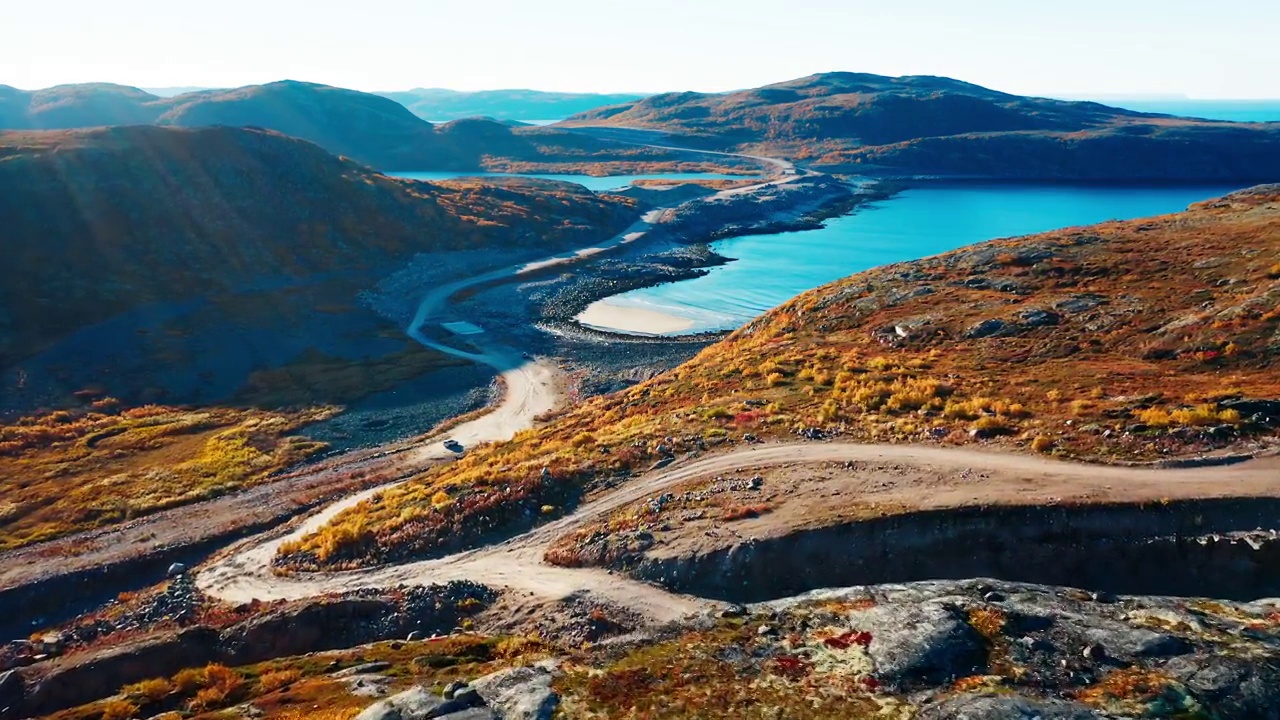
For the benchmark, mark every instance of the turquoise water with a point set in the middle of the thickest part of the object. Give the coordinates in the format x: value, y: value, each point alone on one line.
x: 1234, y: 110
x: 771, y: 269
x: 595, y: 184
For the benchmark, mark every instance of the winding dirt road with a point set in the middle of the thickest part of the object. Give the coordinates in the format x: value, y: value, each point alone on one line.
x: 517, y: 563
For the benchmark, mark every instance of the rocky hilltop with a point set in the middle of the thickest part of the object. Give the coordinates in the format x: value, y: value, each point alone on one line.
x: 919, y: 125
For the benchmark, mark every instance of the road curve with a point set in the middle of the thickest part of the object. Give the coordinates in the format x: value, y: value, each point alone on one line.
x: 517, y: 563
x: 530, y: 390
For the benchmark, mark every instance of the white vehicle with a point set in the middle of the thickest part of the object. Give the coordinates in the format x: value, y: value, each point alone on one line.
x: 453, y: 446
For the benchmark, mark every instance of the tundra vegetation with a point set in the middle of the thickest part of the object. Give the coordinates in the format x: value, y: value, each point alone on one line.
x: 73, y: 470
x: 1123, y: 341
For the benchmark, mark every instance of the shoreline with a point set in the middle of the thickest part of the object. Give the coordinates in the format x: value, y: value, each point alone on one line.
x: 592, y: 309
x: 605, y: 316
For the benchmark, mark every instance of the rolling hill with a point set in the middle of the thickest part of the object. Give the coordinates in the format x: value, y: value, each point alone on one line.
x: 100, y: 222
x: 370, y: 129
x: 914, y: 125
x: 1126, y: 340
x: 437, y: 104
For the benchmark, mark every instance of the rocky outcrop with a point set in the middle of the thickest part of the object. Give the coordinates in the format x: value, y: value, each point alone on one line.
x: 920, y: 645
x: 942, y: 650
x: 522, y: 693
x: 325, y: 624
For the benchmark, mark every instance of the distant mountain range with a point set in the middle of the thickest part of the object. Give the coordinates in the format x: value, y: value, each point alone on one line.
x: 371, y: 129
x: 844, y: 122
x: 923, y: 125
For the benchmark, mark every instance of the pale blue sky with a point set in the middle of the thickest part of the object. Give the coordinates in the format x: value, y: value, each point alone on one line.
x: 1223, y: 49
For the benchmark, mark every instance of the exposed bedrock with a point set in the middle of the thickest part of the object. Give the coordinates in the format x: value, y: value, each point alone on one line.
x: 1210, y: 548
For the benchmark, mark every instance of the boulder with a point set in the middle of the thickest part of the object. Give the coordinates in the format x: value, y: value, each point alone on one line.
x: 1036, y: 317
x: 1237, y: 687
x: 420, y: 704
x: 1003, y: 707
x: 1076, y: 304
x: 923, y: 645
x: 522, y: 693
x: 176, y: 570
x: 991, y: 327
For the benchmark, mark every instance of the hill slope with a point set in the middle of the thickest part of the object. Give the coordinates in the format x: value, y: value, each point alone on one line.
x: 440, y: 104
x: 917, y: 124
x: 100, y: 222
x: 368, y: 128
x: 1123, y: 340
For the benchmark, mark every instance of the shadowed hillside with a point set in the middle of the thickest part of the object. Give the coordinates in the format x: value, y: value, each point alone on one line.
x: 1124, y: 340
x: 930, y: 125
x: 176, y: 303
x: 103, y: 221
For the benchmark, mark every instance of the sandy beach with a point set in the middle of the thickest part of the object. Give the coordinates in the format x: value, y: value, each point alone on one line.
x: 603, y: 315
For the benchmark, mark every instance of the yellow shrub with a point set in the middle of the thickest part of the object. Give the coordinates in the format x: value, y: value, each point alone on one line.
x: 117, y: 709
x: 1155, y: 417
x: 278, y: 680
x: 1042, y: 444
x: 1081, y: 407
x: 774, y: 379
x: 188, y: 681
x: 1202, y: 415
x: 992, y: 424
x: 152, y: 691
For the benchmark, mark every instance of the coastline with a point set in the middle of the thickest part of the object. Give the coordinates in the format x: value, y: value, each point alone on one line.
x: 588, y: 305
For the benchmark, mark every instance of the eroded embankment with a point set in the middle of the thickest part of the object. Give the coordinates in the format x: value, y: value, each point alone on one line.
x: 1201, y: 548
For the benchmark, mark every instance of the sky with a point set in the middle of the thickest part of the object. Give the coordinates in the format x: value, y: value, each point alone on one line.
x: 1223, y: 49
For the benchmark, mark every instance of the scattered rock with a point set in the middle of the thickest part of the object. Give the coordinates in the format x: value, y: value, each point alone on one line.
x: 991, y: 327
x: 1094, y: 652
x: 1036, y: 318
x: 420, y: 704
x: 1079, y: 303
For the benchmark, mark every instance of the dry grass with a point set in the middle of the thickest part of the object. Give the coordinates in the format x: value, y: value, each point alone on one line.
x: 1154, y: 319
x: 70, y: 471
x: 300, y: 687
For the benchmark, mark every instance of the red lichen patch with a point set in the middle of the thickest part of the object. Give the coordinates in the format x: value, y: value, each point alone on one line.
x: 848, y: 640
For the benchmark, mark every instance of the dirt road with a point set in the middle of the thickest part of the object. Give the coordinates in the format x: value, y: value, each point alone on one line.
x: 517, y: 563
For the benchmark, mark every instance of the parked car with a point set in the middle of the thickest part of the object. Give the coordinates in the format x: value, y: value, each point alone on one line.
x: 453, y: 446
